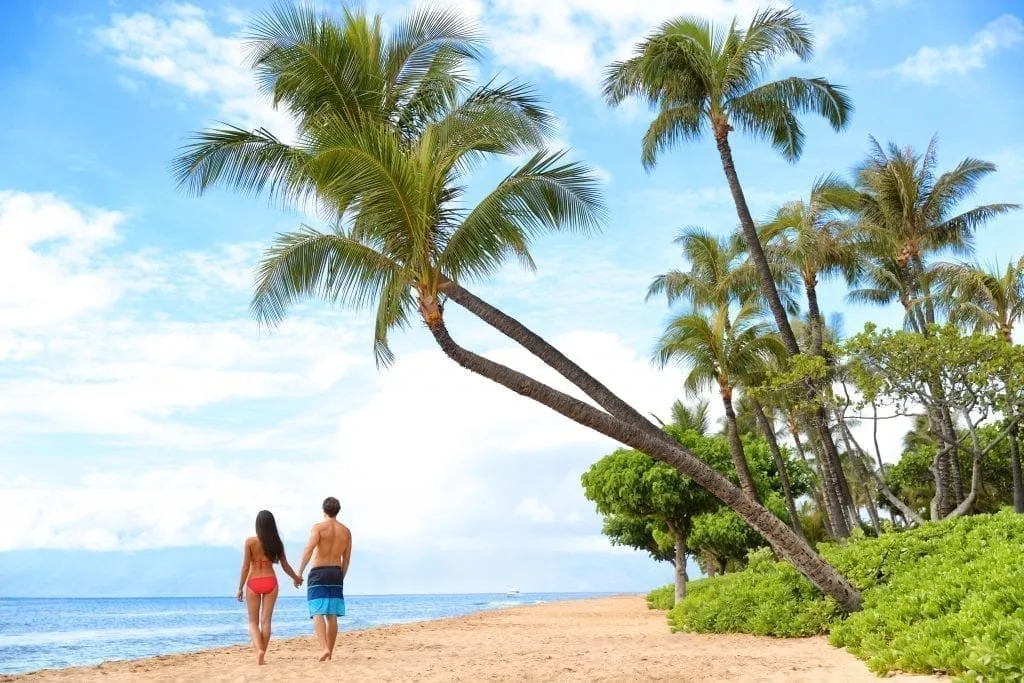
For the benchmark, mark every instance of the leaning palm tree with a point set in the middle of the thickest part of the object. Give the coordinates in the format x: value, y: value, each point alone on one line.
x: 987, y: 301
x: 706, y: 78
x: 404, y: 243
x: 718, y: 352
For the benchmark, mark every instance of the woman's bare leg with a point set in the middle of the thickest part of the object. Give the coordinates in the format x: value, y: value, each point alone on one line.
x: 252, y: 603
x: 267, y: 614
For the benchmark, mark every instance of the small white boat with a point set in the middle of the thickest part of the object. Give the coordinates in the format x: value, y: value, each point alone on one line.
x: 512, y: 592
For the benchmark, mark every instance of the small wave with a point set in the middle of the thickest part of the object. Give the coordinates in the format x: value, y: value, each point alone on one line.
x: 109, y: 635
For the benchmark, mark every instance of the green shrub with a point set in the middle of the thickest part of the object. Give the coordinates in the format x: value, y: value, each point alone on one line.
x: 662, y: 598
x: 947, y: 598
x: 767, y: 598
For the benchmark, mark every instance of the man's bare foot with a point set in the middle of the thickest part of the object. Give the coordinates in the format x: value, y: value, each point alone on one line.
x: 261, y: 657
x: 326, y: 656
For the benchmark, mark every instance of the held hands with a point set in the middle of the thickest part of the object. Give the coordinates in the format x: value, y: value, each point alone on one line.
x: 298, y: 581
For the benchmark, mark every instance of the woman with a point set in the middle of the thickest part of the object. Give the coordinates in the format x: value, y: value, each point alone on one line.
x: 259, y: 581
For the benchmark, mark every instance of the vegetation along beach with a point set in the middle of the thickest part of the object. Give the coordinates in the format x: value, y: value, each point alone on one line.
x: 805, y: 405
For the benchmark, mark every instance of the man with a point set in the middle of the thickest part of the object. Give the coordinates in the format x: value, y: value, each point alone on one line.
x: 330, y: 547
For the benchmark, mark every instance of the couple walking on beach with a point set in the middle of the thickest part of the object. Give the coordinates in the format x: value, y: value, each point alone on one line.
x: 329, y: 548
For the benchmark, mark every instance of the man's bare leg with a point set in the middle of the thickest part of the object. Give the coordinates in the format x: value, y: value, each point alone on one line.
x: 320, y: 626
x: 252, y: 603
x: 332, y: 634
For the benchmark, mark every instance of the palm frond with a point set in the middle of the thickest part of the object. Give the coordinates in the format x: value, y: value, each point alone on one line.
x: 769, y: 111
x: 545, y: 194
x: 250, y: 162
x: 329, y: 266
x: 671, y: 126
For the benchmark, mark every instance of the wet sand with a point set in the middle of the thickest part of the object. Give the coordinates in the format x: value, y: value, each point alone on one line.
x: 606, y: 639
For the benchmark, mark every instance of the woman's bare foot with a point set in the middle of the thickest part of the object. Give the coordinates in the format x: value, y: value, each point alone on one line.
x: 326, y: 656
x: 261, y: 657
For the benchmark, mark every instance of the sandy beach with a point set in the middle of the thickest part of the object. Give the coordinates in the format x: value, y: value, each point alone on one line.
x: 607, y: 639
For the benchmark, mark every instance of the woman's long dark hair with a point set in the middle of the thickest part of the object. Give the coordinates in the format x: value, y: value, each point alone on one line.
x: 266, y: 531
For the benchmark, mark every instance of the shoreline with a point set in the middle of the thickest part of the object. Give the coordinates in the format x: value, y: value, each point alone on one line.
x: 605, y: 638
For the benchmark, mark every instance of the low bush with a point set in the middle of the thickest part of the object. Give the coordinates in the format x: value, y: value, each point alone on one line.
x: 767, y: 598
x: 662, y: 598
x: 945, y: 598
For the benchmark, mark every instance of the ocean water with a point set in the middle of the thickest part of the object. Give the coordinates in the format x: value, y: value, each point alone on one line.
x: 50, y: 633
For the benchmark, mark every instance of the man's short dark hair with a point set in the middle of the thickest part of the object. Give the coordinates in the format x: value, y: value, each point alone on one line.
x: 331, y: 506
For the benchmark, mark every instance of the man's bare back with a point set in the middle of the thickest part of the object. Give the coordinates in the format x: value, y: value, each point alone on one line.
x: 333, y: 544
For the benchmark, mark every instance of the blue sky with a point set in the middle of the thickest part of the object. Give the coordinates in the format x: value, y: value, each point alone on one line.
x: 142, y: 411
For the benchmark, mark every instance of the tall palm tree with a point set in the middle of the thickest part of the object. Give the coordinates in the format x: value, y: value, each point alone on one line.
x: 404, y: 244
x: 908, y: 215
x: 817, y: 238
x: 718, y: 351
x: 987, y: 301
x: 706, y: 78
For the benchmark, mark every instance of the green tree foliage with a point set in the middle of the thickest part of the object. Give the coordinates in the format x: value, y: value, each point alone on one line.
x: 651, y: 507
x: 968, y: 376
x: 647, y: 505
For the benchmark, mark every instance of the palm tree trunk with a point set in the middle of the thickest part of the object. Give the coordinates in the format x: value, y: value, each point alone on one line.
x: 833, y: 499
x: 1014, y: 437
x: 953, y: 460
x: 539, y: 347
x: 711, y: 567
x: 739, y: 458
x: 769, y: 289
x: 817, y: 324
x: 555, y: 359
x: 907, y: 512
x: 841, y: 483
x: 862, y: 478
x: 818, y: 492
x: 818, y: 572
x: 780, y: 465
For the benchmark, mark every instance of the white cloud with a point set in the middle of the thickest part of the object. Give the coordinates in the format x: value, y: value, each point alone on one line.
x: 533, y: 510
x: 573, y: 40
x: 413, y: 464
x: 46, y: 273
x: 77, y: 361
x: 928, y: 64
x: 179, y: 45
